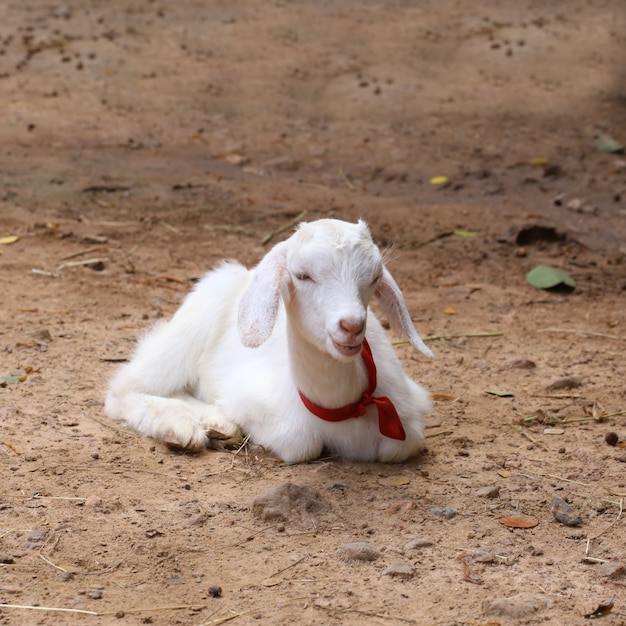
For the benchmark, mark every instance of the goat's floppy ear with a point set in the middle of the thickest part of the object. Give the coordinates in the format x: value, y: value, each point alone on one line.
x: 260, y: 301
x: 392, y: 304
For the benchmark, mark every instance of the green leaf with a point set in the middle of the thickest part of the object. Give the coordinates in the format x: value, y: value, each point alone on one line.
x: 499, y: 394
x: 465, y: 233
x: 606, y: 143
x: 547, y: 277
x: 9, y: 380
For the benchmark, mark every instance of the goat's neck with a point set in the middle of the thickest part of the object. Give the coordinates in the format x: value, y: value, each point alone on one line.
x: 321, y: 378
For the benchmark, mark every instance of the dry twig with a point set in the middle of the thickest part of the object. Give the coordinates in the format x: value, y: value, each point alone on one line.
x: 574, y: 331
x: 397, y: 618
x: 100, y: 613
x: 605, y: 530
x: 287, y: 226
x: 77, y: 254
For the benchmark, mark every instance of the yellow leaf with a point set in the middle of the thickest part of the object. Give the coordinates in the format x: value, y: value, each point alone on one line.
x: 439, y: 180
x: 504, y: 473
x: 450, y: 311
x: 394, y: 481
x: 538, y: 161
x: 443, y: 396
x: 5, y: 241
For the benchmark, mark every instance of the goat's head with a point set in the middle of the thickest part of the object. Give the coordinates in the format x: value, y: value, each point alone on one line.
x: 326, y: 273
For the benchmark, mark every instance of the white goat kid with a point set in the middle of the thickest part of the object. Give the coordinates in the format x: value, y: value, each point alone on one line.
x: 279, y: 352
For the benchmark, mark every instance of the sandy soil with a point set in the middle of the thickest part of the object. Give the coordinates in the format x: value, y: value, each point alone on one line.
x: 141, y: 142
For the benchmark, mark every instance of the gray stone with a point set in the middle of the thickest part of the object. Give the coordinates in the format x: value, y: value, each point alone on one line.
x: 447, y: 512
x: 358, y: 551
x: 612, y: 569
x: 399, y: 570
x: 417, y: 544
x: 287, y: 502
x: 521, y: 605
x: 490, y: 491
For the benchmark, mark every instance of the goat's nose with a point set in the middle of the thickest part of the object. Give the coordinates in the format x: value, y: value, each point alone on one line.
x: 352, y: 327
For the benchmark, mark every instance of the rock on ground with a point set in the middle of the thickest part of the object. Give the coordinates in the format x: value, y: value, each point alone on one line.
x: 287, y: 502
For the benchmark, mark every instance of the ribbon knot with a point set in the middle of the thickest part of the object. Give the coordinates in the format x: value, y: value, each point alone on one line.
x: 389, y: 422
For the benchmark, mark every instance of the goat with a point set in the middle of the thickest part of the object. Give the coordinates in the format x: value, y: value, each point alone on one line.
x: 280, y: 352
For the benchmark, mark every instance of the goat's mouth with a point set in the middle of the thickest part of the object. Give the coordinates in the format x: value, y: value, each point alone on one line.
x: 347, y: 350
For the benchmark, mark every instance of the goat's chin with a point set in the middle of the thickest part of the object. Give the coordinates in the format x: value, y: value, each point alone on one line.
x: 343, y: 352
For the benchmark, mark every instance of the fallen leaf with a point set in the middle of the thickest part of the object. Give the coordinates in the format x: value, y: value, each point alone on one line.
x: 504, y: 473
x: 521, y: 521
x: 450, y: 311
x: 10, y: 380
x: 606, y: 143
x: 541, y: 161
x: 548, y: 277
x: 602, y: 609
x: 394, y: 481
x: 439, y: 180
x: 443, y: 396
x: 5, y: 241
x: 465, y: 233
x: 499, y: 394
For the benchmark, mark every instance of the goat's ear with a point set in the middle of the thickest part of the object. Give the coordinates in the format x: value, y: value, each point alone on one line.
x: 259, y: 304
x: 392, y: 304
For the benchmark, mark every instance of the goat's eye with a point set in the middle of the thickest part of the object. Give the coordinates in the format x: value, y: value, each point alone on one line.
x: 376, y: 279
x: 302, y: 277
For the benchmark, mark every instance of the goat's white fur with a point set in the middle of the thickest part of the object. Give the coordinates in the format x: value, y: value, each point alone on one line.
x: 244, y: 341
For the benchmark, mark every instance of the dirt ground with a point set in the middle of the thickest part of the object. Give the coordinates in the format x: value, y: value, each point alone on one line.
x: 143, y: 141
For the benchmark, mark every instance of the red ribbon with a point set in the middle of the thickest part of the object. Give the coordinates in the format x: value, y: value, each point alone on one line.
x: 389, y: 422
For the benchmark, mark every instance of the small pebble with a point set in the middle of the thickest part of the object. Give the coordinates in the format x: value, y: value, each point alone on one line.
x: 95, y: 594
x: 612, y: 439
x: 522, y: 363
x: 568, y: 382
x: 399, y: 570
x: 358, y: 551
x: 519, y: 606
x: 418, y: 544
x: 483, y: 556
x: 93, y: 501
x: 446, y: 512
x: 612, y: 569
x: 564, y: 513
x: 490, y: 491
x: 215, y: 591
x: 95, y: 456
